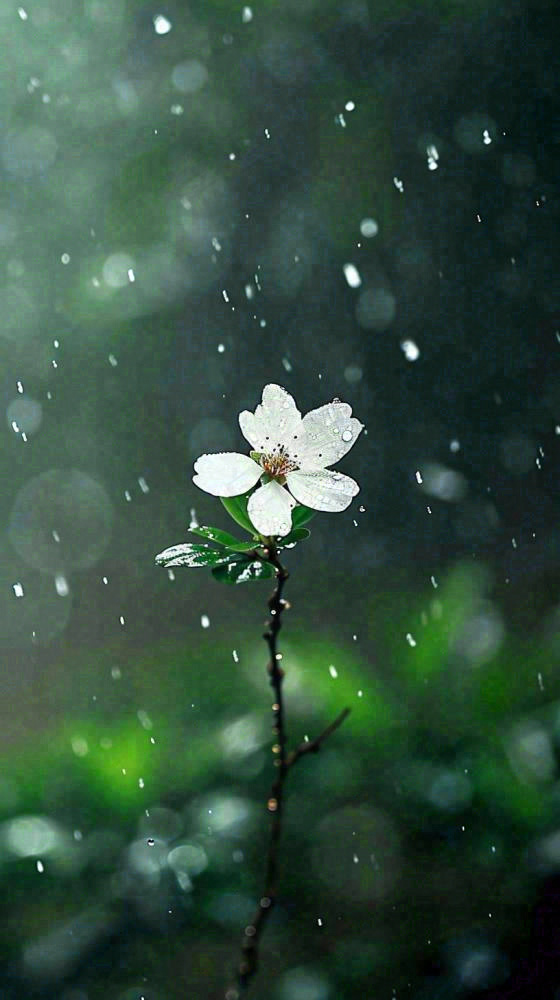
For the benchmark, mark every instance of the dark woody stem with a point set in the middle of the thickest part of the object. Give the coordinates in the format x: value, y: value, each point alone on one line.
x: 247, y: 966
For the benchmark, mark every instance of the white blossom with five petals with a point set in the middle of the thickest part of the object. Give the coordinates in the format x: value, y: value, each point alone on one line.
x: 290, y: 456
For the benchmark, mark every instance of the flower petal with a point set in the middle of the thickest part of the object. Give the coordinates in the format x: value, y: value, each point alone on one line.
x: 330, y: 431
x: 270, y: 509
x: 322, y: 489
x: 274, y: 421
x: 226, y: 474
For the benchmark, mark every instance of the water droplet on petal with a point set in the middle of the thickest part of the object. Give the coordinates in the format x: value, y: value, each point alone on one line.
x: 347, y: 435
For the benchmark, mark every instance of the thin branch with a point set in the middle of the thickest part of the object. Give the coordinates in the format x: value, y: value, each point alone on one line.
x: 312, y: 746
x: 282, y: 761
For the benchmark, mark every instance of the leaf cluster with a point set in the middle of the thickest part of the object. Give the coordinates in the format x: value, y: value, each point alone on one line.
x: 234, y: 560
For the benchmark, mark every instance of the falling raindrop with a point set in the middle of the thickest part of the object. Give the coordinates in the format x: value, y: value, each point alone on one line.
x: 61, y: 585
x: 352, y: 275
x: 162, y: 25
x: 410, y: 350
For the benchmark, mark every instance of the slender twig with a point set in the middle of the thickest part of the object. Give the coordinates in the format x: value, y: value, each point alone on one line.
x: 312, y: 746
x: 282, y: 761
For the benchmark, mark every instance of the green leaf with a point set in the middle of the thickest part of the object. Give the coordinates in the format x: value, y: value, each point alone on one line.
x: 192, y: 555
x: 243, y: 571
x: 223, y: 538
x: 296, y: 535
x: 237, y: 509
x: 300, y: 515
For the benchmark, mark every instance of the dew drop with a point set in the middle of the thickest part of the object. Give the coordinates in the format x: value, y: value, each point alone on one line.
x: 347, y: 435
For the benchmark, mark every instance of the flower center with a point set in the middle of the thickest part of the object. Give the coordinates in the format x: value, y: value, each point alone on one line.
x: 276, y: 463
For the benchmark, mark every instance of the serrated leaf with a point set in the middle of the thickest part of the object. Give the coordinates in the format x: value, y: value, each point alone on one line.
x: 295, y: 535
x: 243, y: 571
x: 223, y: 538
x: 237, y: 509
x: 191, y: 555
x: 300, y: 515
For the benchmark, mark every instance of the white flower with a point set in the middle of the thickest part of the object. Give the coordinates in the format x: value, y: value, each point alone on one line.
x: 288, y: 451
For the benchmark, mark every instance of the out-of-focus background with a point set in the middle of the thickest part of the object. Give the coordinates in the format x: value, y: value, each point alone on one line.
x: 350, y: 198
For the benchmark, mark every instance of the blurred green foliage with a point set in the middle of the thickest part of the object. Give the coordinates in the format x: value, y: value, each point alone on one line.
x: 417, y: 812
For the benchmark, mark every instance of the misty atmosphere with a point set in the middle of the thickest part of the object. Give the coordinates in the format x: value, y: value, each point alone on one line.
x: 356, y: 201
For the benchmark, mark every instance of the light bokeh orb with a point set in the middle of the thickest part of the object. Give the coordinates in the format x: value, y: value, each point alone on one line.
x: 61, y: 520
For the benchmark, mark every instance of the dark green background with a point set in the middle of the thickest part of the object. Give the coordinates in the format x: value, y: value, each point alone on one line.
x: 422, y: 845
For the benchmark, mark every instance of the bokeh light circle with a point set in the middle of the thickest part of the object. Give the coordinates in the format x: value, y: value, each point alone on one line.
x: 375, y: 309
x: 189, y: 76
x: 61, y: 520
x: 24, y: 414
